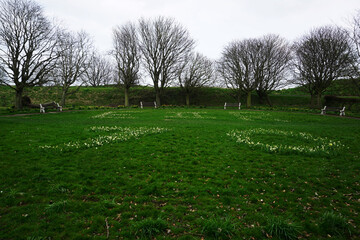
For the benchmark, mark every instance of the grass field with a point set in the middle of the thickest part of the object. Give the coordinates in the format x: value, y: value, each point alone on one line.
x: 179, y: 174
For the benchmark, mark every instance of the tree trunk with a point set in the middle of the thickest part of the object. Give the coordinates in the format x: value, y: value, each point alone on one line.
x: 261, y: 96
x: 158, y: 101
x: 63, y: 97
x: 126, y: 97
x: 318, y: 100
x: 248, y: 99
x: 18, y: 98
x: 313, y: 101
x: 188, y: 99
x: 268, y: 99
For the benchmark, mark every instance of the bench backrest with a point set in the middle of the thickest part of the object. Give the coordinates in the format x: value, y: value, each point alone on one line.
x: 148, y: 104
x: 232, y: 105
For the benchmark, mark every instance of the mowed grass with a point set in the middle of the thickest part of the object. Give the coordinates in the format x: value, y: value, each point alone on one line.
x: 179, y: 174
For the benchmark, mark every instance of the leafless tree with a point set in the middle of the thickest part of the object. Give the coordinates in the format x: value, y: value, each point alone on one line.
x: 275, y: 54
x: 164, y: 45
x: 74, y: 52
x: 99, y: 71
x: 239, y: 67
x: 27, y: 45
x: 355, y: 38
x: 197, y: 71
x: 127, y: 55
x: 230, y: 69
x: 322, y: 56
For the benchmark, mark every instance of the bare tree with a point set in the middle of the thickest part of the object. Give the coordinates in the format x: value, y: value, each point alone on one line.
x: 239, y: 67
x: 99, y: 70
x: 164, y: 45
x: 127, y: 55
x: 321, y: 57
x: 230, y: 69
x: 355, y: 38
x: 74, y: 50
x: 27, y: 45
x: 276, y: 56
x: 196, y: 72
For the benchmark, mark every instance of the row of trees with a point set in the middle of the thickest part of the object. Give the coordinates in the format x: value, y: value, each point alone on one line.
x: 166, y: 51
x: 259, y: 64
x: 33, y: 51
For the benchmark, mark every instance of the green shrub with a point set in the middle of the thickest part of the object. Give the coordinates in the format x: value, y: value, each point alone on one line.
x: 334, y: 224
x: 282, y: 229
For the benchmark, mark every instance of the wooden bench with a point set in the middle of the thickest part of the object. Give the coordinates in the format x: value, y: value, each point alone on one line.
x: 148, y: 104
x: 333, y: 109
x: 44, y: 106
x: 232, y: 105
x: 51, y: 105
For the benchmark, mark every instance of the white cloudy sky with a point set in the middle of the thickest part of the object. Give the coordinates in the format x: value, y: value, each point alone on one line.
x: 212, y: 23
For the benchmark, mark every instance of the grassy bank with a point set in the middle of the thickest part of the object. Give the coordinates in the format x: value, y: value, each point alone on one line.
x: 113, y: 96
x: 205, y: 97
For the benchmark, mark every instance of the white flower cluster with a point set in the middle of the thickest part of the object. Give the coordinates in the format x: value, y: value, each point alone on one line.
x: 114, y: 115
x: 189, y: 115
x: 106, y: 129
x: 252, y: 116
x: 121, y: 134
x: 322, y: 145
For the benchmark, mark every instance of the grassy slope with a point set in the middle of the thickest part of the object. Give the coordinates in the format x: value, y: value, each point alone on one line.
x: 112, y: 96
x: 189, y: 174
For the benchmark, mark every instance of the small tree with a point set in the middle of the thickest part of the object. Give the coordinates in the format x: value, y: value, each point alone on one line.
x: 127, y: 56
x: 27, y: 45
x: 321, y: 57
x: 74, y: 50
x: 197, y: 71
x: 99, y: 70
x: 164, y: 45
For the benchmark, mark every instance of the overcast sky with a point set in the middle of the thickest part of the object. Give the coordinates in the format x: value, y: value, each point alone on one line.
x: 212, y: 23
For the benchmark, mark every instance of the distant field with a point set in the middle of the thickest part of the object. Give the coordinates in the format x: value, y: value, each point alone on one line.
x: 179, y: 174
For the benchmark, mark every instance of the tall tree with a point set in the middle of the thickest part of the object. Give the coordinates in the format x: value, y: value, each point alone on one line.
x: 127, y: 55
x: 276, y: 55
x: 164, y: 45
x: 27, y: 45
x: 196, y: 72
x: 322, y: 56
x: 239, y: 66
x: 74, y: 52
x: 230, y: 69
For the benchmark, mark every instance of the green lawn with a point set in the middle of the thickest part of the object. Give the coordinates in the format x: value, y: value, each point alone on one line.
x: 179, y: 174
